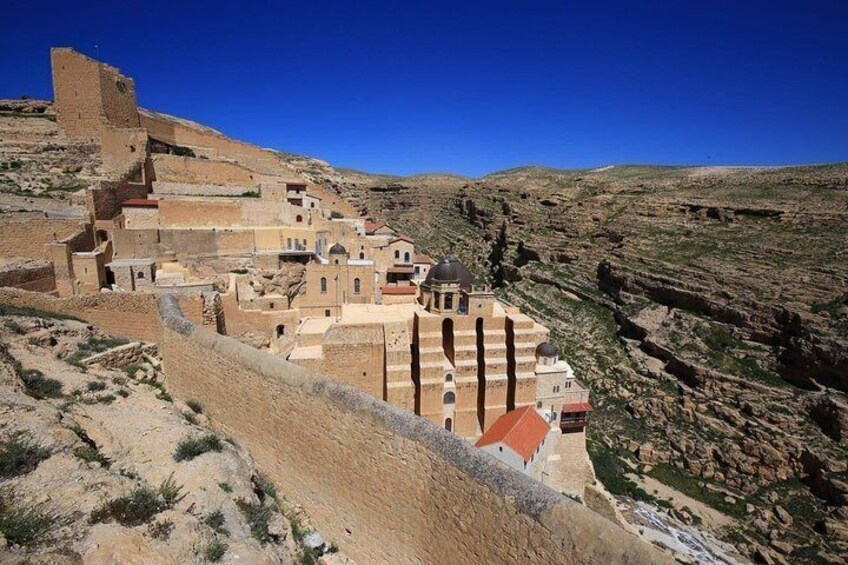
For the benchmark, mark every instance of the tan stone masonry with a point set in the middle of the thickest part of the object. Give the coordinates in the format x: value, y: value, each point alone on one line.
x: 383, y: 484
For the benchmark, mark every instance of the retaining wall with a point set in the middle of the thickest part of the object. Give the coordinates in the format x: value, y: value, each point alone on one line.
x: 383, y: 484
x: 132, y: 315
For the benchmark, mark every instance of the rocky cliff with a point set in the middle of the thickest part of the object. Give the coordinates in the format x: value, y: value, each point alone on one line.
x: 707, y: 308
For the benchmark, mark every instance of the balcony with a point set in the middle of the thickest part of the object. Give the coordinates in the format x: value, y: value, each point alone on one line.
x: 575, y: 416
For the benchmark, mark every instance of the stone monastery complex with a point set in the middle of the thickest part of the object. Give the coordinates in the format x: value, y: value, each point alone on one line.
x: 284, y: 266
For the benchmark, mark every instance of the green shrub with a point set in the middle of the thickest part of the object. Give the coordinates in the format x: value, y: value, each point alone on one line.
x: 38, y: 386
x: 88, y: 453
x: 171, y: 491
x: 122, y: 392
x: 336, y: 215
x: 225, y: 487
x: 135, y: 509
x: 20, y: 455
x: 215, y: 551
x: 94, y: 386
x: 190, y: 448
x: 163, y: 395
x: 106, y: 398
x: 190, y: 417
x: 265, y: 486
x: 215, y: 520
x: 257, y: 517
x: 195, y: 406
x: 23, y: 525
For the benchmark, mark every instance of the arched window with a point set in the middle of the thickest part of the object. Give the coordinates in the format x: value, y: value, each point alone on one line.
x: 449, y: 424
x: 450, y: 397
x: 139, y: 275
x: 299, y: 218
x: 356, y: 286
x: 362, y: 255
x: 406, y: 257
x: 323, y: 285
x: 281, y: 330
x: 448, y: 377
x: 397, y: 253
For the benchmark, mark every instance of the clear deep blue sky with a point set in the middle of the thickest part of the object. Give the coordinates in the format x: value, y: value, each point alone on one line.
x: 472, y: 87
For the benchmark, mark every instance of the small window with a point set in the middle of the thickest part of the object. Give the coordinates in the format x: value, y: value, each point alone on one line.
x: 362, y: 255
x: 539, y: 404
x: 406, y: 257
x: 449, y: 377
x: 299, y: 218
x: 417, y: 270
x: 324, y: 285
x: 326, y: 313
x: 272, y: 306
x: 337, y: 261
x: 356, y: 286
x: 289, y: 243
x: 450, y: 398
x: 140, y: 275
x: 397, y: 254
x: 500, y: 448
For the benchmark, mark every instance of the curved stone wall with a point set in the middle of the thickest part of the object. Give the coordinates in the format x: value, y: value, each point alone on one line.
x: 383, y: 484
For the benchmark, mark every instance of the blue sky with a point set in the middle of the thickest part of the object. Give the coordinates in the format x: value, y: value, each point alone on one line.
x: 472, y: 87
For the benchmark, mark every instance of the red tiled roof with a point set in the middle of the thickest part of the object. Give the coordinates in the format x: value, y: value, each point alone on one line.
x: 405, y: 238
x: 400, y: 290
x: 371, y: 227
x: 141, y: 203
x: 522, y: 430
x: 577, y: 407
x: 423, y: 259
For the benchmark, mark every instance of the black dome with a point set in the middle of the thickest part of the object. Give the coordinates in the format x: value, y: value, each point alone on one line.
x: 449, y: 270
x: 338, y: 249
x: 546, y: 350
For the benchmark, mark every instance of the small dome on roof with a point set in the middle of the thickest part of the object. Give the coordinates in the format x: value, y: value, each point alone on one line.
x: 546, y: 350
x: 338, y: 249
x: 449, y: 270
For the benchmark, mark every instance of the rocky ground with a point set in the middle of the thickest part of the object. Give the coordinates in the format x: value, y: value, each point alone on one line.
x: 101, y: 465
x: 37, y: 159
x: 706, y: 307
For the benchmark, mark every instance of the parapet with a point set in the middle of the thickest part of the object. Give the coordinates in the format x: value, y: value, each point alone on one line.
x: 384, y: 484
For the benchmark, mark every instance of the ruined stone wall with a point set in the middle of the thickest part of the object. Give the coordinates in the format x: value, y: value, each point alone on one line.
x: 89, y: 94
x: 26, y: 238
x: 76, y: 90
x: 383, y: 484
x: 132, y: 315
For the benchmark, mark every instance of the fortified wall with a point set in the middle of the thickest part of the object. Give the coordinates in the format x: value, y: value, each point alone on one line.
x: 96, y: 102
x: 125, y: 314
x: 383, y: 484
